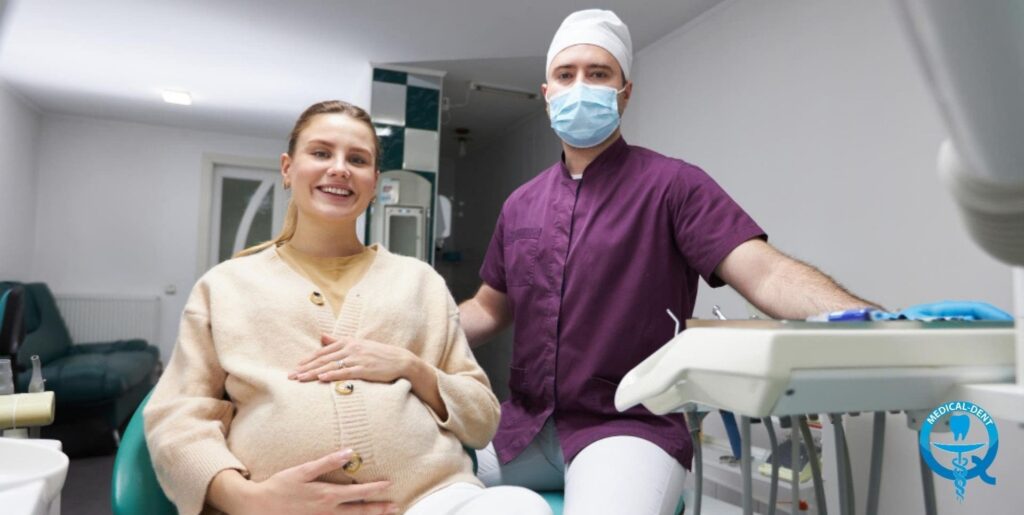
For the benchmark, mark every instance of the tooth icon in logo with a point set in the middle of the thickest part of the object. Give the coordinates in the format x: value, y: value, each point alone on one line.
x: 960, y: 425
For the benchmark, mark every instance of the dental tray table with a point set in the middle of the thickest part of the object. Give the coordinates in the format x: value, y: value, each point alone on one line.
x: 760, y: 368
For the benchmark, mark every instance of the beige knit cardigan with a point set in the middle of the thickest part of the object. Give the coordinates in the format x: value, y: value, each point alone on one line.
x: 225, y: 401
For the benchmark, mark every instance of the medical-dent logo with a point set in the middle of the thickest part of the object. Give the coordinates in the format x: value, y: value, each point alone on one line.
x: 967, y: 447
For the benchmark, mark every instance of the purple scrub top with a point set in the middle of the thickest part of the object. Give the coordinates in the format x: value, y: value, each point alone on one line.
x: 589, y: 268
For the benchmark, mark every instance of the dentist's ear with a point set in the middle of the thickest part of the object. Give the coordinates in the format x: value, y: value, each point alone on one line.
x: 544, y: 95
x: 627, y: 92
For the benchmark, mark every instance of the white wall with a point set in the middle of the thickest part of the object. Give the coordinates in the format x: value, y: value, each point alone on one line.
x: 814, y: 116
x: 3, y: 12
x: 19, y: 127
x: 118, y: 207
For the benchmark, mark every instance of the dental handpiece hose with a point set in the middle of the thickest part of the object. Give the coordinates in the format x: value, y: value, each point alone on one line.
x: 693, y: 422
x: 773, y: 491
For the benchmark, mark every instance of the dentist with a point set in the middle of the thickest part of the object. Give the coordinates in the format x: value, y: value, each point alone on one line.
x: 584, y: 260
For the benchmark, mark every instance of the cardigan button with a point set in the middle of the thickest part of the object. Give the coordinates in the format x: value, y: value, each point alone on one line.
x: 316, y: 298
x: 353, y: 464
x: 344, y: 388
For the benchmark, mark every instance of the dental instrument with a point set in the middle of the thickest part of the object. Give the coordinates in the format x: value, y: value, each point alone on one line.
x: 846, y: 500
x: 773, y: 490
x: 812, y: 456
x: 877, y: 448
x: 794, y: 472
x: 693, y: 422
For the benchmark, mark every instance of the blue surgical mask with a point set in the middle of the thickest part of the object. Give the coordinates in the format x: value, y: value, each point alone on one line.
x: 584, y: 115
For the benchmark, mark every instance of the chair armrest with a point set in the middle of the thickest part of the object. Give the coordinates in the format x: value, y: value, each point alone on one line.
x: 108, y: 347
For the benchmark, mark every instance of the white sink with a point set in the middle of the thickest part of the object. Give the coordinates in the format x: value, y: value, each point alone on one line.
x: 32, y: 473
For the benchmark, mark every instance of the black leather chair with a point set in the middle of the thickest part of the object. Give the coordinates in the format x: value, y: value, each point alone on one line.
x: 12, y: 325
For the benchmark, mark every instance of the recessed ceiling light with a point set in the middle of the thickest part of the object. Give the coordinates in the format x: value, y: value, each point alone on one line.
x: 177, y: 97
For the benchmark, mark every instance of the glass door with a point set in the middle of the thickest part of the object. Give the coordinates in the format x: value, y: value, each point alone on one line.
x: 249, y: 206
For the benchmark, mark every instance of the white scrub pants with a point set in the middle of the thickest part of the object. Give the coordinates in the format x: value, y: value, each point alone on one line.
x: 615, y: 475
x: 470, y: 499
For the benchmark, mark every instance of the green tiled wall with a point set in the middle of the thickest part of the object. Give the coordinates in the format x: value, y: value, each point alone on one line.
x: 409, y: 134
x: 421, y: 108
x: 421, y: 95
x: 391, y: 76
x: 391, y: 146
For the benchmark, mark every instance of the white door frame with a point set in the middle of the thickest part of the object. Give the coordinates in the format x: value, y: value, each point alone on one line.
x: 207, y: 197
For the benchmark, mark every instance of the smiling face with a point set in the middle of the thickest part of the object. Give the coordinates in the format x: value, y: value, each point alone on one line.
x: 332, y: 168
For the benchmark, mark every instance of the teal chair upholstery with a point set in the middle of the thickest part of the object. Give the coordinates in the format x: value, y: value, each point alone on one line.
x: 135, y: 490
x: 555, y: 499
x: 101, y: 383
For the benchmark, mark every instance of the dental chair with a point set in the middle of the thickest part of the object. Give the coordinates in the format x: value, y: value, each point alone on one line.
x: 135, y: 490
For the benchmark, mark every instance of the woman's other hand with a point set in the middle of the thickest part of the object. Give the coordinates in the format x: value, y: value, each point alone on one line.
x: 296, y: 490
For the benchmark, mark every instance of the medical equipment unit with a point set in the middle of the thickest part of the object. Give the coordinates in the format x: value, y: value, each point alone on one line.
x: 973, y: 57
x: 761, y: 368
x: 402, y: 218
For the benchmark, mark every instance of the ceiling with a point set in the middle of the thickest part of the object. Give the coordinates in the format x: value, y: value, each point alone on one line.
x: 253, y: 65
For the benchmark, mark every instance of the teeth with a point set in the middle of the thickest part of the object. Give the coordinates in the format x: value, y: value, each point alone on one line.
x: 337, y: 191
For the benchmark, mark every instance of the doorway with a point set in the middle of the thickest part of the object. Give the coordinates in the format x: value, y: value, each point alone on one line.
x: 245, y: 204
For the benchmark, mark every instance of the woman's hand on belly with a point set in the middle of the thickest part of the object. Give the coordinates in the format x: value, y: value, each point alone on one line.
x: 296, y: 490
x: 353, y: 358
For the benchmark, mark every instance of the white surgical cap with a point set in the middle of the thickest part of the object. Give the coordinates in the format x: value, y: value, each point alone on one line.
x: 594, y: 27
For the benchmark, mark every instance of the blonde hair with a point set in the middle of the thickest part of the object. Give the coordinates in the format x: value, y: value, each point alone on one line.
x: 291, y: 218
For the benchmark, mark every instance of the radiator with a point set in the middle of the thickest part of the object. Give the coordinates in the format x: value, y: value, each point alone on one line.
x: 103, y: 318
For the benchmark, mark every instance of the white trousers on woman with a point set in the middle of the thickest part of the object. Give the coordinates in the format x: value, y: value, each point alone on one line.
x: 616, y: 475
x: 470, y: 499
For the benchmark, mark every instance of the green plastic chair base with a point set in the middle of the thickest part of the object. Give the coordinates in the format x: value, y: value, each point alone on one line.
x: 134, y: 488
